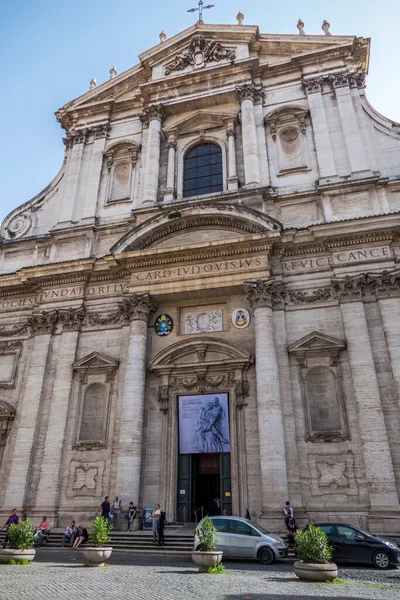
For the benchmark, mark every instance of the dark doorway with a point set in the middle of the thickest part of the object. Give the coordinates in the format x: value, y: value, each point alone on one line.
x: 202, y: 478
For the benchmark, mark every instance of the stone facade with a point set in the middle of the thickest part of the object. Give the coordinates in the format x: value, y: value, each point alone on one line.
x: 303, y: 237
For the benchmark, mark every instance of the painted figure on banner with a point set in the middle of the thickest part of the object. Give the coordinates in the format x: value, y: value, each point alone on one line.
x: 204, y: 424
x: 217, y: 416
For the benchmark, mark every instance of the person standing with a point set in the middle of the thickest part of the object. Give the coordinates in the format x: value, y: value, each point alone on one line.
x: 131, y: 514
x: 155, y: 516
x: 161, y: 525
x: 105, y: 509
x: 13, y: 519
x: 116, y: 512
x: 288, y: 512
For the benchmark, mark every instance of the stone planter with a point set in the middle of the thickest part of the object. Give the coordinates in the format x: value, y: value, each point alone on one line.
x: 7, y: 554
x: 95, y: 557
x: 315, y: 571
x: 206, y: 558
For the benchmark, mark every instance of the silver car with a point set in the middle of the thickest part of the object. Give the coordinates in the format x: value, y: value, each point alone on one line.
x: 241, y: 538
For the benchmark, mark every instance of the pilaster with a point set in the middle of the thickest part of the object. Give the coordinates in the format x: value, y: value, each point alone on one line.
x: 96, y: 164
x: 247, y: 94
x: 152, y: 117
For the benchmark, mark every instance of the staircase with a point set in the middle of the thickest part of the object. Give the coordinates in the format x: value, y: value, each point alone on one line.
x: 138, y: 542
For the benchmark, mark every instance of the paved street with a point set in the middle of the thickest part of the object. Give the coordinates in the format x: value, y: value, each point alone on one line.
x: 61, y: 575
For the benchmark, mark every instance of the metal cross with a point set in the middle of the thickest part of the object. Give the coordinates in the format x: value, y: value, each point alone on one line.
x: 200, y: 8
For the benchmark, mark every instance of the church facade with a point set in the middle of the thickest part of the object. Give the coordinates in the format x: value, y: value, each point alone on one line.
x: 205, y: 301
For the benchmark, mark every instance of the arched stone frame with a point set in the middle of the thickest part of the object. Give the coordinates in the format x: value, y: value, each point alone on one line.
x: 319, y: 351
x: 94, y: 369
x: 204, y: 374
x: 7, y: 415
x: 120, y: 154
x: 281, y: 122
x: 184, y: 147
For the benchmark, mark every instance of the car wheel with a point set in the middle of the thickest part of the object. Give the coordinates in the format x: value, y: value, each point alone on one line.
x: 381, y: 560
x: 266, y: 556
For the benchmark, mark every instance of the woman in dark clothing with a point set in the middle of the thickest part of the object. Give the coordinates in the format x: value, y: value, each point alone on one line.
x: 292, y: 530
x: 161, y: 524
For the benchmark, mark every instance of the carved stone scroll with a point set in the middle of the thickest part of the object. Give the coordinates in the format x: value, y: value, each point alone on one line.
x: 199, y: 53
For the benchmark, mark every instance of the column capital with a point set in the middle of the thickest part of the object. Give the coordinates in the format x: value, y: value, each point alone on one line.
x: 171, y: 142
x: 348, y: 289
x: 230, y: 130
x: 71, y: 319
x: 43, y: 322
x: 265, y: 292
x: 137, y: 307
x: 339, y: 80
x: 152, y: 112
x: 249, y: 91
x: 313, y: 84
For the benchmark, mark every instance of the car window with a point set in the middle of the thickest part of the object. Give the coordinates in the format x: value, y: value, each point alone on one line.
x: 328, y: 529
x: 240, y: 528
x: 347, y: 532
x: 221, y: 525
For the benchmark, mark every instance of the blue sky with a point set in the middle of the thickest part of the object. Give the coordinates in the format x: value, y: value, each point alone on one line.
x: 50, y: 49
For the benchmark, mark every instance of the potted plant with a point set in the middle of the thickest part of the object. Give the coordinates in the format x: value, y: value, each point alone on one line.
x: 315, y: 553
x: 99, y: 538
x: 205, y: 555
x: 19, y: 543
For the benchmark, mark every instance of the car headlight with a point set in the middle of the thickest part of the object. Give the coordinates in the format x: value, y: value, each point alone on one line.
x: 392, y: 546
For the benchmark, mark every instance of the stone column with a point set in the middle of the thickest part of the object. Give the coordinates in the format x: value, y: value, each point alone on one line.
x: 96, y: 165
x: 351, y: 130
x: 261, y: 140
x: 152, y: 117
x: 322, y: 138
x: 232, y: 174
x: 357, y: 85
x: 75, y: 144
x: 375, y: 446
x: 170, y: 191
x: 48, y: 487
x: 138, y: 309
x: 247, y: 94
x: 42, y: 326
x: 262, y: 295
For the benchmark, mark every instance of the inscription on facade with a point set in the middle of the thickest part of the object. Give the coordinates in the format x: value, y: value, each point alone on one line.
x: 338, y: 258
x: 212, y: 268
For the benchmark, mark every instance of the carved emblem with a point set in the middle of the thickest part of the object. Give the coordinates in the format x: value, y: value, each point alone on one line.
x: 85, y: 478
x: 319, y: 295
x: 203, y: 322
x: 163, y: 324
x: 199, y: 53
x: 240, y: 318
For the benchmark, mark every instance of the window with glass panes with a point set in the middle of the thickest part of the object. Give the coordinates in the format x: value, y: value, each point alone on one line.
x: 202, y: 171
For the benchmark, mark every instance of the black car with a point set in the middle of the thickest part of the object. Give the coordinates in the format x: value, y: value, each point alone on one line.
x: 351, y: 544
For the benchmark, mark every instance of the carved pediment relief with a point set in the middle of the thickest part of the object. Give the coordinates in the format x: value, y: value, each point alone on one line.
x: 199, y: 121
x: 199, y: 53
x: 96, y: 362
x: 317, y: 344
x: 6, y: 410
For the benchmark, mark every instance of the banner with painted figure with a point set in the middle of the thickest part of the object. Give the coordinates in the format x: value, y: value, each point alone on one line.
x: 203, y: 424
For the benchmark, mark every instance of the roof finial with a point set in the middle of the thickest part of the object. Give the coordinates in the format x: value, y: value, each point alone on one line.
x: 163, y: 37
x: 240, y: 17
x: 325, y: 28
x: 300, y: 27
x: 113, y: 72
x: 93, y: 83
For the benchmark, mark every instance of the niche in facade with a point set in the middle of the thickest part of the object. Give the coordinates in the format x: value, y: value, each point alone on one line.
x: 121, y: 162
x: 287, y: 127
x: 318, y: 357
x: 7, y: 414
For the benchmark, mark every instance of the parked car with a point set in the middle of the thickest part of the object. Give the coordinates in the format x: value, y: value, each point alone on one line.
x: 351, y: 544
x: 241, y: 538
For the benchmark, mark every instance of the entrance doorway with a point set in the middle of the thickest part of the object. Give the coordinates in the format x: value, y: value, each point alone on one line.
x: 202, y: 480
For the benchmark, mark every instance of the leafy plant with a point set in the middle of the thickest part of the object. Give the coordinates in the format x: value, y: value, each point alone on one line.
x: 19, y: 562
x: 20, y: 537
x: 312, y: 545
x: 206, y: 533
x: 174, y: 215
x: 99, y: 532
x: 216, y: 569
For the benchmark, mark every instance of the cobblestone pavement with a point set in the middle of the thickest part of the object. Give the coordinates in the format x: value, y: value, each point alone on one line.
x: 61, y: 575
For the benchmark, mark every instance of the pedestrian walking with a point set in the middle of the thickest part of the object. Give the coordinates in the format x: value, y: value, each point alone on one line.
x: 161, y: 524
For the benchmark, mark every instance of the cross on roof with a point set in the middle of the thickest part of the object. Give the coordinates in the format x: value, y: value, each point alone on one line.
x: 200, y: 8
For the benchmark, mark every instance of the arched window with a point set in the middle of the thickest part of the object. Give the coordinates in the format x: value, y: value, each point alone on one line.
x: 202, y: 172
x: 93, y: 413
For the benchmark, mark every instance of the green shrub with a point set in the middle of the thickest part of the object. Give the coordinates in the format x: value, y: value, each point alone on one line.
x: 99, y: 532
x: 20, y: 537
x: 19, y: 562
x: 206, y: 533
x: 312, y: 545
x: 216, y: 570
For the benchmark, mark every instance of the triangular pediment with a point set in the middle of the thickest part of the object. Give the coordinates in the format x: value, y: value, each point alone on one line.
x: 317, y: 342
x: 202, y: 120
x: 95, y: 360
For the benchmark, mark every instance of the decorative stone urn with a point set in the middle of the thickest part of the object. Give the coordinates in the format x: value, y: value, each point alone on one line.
x: 7, y: 554
x: 206, y: 558
x: 96, y: 556
x: 308, y: 571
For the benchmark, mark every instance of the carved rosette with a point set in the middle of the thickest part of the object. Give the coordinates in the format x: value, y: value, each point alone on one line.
x: 249, y: 91
x: 71, y: 319
x: 153, y: 112
x: 138, y: 307
x: 43, y: 322
x: 265, y: 292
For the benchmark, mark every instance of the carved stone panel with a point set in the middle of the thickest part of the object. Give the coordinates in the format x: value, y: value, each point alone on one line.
x: 198, y: 54
x: 332, y: 474
x: 205, y: 321
x: 86, y: 478
x: 10, y: 353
